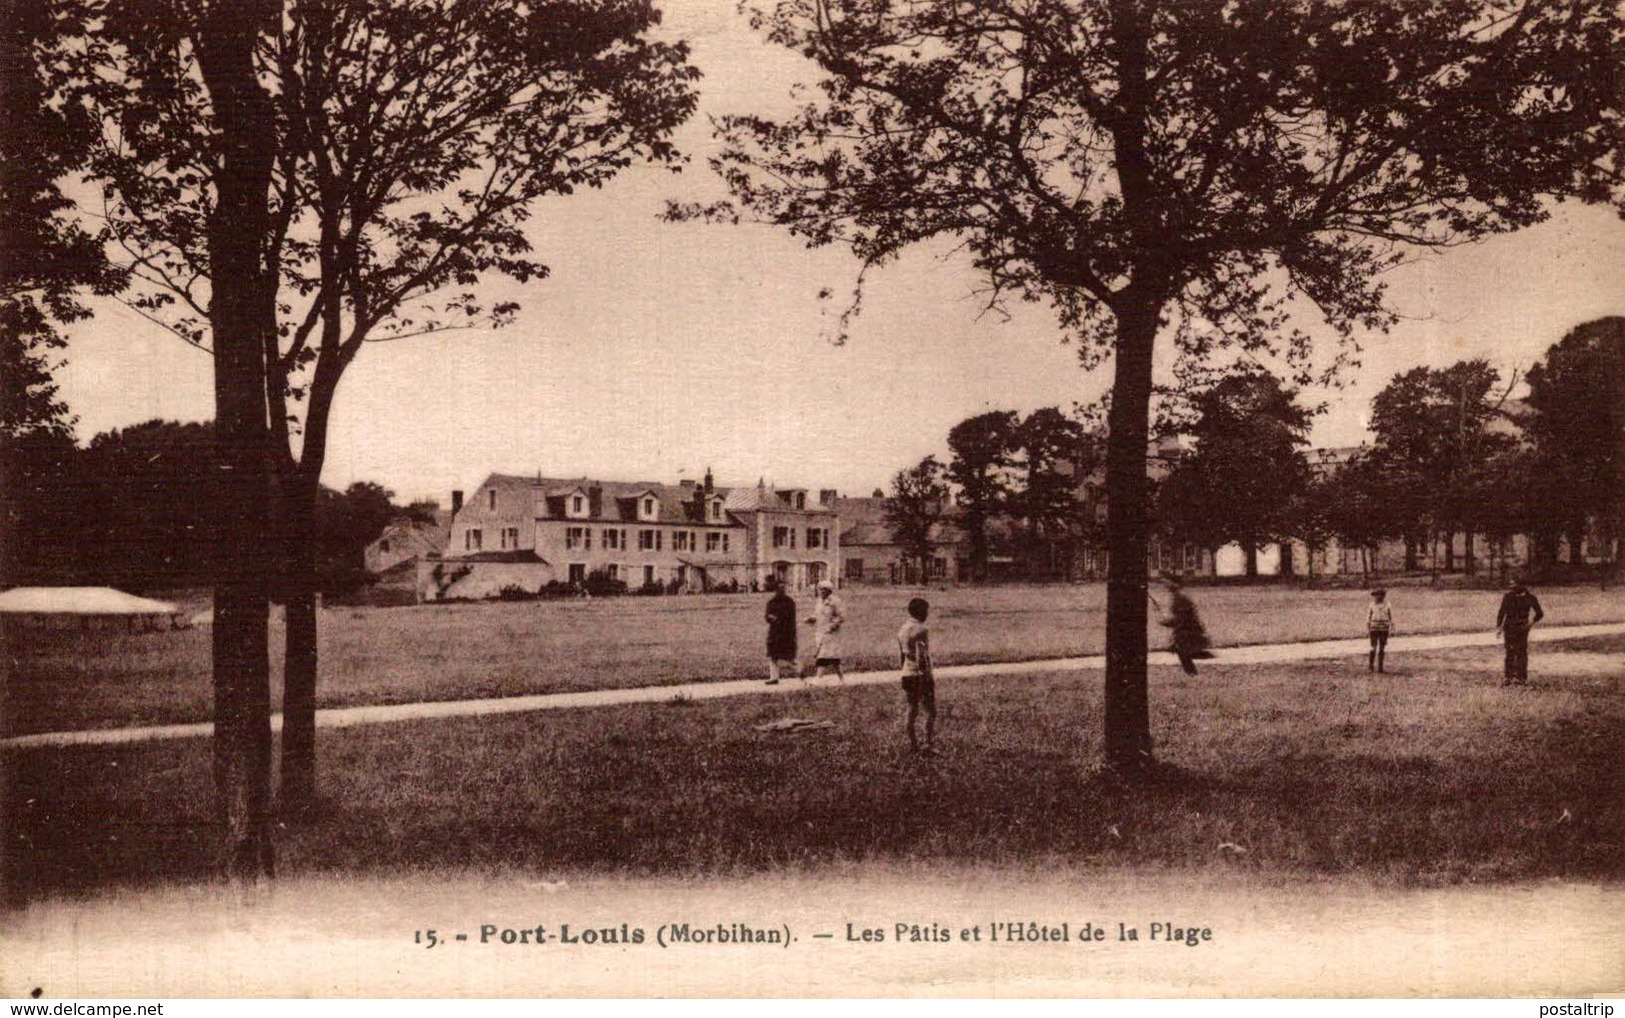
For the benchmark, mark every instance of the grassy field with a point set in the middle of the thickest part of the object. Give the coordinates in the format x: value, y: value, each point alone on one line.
x: 1431, y: 775
x: 74, y: 679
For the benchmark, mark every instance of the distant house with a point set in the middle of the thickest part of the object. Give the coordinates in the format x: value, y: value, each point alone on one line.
x: 527, y: 532
x: 408, y: 539
x: 870, y: 552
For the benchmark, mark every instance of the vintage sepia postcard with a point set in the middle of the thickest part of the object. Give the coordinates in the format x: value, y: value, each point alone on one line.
x: 861, y: 498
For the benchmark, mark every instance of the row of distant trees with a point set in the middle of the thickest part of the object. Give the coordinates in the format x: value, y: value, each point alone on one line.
x: 1454, y: 459
x: 1003, y: 468
x: 132, y: 508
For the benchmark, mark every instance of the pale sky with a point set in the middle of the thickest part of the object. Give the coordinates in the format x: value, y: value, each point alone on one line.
x: 655, y: 351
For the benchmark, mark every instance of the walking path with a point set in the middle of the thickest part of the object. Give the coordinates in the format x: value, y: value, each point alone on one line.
x: 344, y: 717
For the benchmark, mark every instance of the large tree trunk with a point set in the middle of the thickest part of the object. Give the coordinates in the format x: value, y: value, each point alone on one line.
x: 1251, y: 551
x: 298, y: 781
x: 239, y: 318
x: 1127, y: 709
x: 1410, y: 553
x: 978, y: 549
x: 1545, y: 549
x: 301, y: 664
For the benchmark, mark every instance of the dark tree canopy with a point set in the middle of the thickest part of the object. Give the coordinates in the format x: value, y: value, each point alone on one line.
x: 1435, y: 438
x: 915, y: 508
x: 1091, y: 151
x: 411, y: 145
x: 47, y: 258
x: 983, y: 452
x: 1577, y: 395
x: 1355, y: 500
x: 1247, y: 474
x: 1056, y: 453
x: 132, y: 509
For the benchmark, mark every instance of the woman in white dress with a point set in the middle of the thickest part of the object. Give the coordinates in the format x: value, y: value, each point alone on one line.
x: 828, y: 615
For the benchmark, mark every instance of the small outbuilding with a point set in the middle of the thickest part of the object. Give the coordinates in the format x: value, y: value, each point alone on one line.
x: 86, y: 608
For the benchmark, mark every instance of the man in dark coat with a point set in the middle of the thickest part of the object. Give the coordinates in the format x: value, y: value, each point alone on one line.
x: 1520, y: 610
x: 1189, y: 637
x: 781, y: 633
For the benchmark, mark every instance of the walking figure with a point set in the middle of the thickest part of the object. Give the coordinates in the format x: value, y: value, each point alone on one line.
x: 828, y: 615
x: 781, y: 634
x: 1520, y: 610
x: 1190, y: 638
x: 1379, y: 622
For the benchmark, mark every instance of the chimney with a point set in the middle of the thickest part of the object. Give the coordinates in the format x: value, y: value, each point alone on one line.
x: 826, y: 496
x: 709, y: 485
x: 456, y: 502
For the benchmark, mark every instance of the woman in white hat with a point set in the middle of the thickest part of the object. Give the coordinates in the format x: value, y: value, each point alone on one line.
x: 827, y: 618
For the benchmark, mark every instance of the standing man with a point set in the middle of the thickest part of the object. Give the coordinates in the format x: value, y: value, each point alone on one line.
x: 781, y: 633
x: 1519, y: 612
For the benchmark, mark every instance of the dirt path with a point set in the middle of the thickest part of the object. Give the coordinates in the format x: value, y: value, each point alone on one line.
x: 344, y: 717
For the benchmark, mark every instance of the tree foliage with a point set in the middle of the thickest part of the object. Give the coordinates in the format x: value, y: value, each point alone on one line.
x: 983, y: 450
x: 47, y: 257
x: 1436, y: 440
x: 1255, y: 143
x: 915, y: 509
x: 133, y: 509
x: 1247, y: 474
x: 1020, y: 477
x: 1357, y: 499
x: 411, y: 144
x: 1577, y: 399
x: 1056, y: 452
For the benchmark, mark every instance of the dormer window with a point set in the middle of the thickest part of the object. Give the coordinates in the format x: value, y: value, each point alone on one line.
x: 716, y: 509
x: 801, y: 500
x: 649, y: 507
x: 574, y: 504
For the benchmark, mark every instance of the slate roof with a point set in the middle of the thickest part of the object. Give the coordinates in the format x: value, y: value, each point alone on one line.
x: 868, y: 518
x: 439, y: 529
x: 610, y: 501
x: 860, y: 511
x: 773, y: 499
